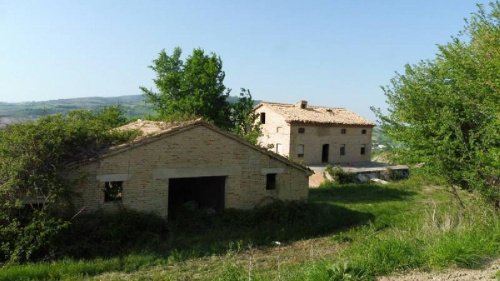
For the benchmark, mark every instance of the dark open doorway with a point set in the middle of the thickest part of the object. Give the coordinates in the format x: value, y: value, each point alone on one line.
x: 204, y: 193
x: 324, y: 153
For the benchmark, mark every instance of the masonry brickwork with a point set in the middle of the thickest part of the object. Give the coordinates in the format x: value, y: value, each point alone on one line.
x: 193, y: 152
x: 346, y: 129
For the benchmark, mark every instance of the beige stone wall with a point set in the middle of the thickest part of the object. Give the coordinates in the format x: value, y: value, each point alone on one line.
x: 313, y: 139
x: 198, y: 151
x: 275, y: 131
x: 316, y: 135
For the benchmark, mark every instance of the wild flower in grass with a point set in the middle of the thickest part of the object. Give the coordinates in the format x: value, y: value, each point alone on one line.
x: 278, y: 243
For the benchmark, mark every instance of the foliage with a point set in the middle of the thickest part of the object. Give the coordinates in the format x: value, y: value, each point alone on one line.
x: 445, y: 112
x: 412, y: 226
x: 195, y: 88
x: 338, y: 174
x: 190, y: 88
x: 244, y: 118
x: 33, y: 156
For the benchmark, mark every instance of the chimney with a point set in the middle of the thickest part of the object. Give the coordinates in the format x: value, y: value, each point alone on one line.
x: 302, y: 104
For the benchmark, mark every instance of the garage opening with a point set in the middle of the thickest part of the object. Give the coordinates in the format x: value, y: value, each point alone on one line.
x: 201, y: 193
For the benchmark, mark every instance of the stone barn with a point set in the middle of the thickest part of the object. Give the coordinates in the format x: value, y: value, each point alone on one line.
x: 193, y: 163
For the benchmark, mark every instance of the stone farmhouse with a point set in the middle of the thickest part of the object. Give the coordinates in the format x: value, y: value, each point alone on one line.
x: 194, y: 163
x: 315, y: 135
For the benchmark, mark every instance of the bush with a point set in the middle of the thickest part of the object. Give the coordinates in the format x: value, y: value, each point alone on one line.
x: 444, y: 112
x: 340, y: 176
x: 33, y: 190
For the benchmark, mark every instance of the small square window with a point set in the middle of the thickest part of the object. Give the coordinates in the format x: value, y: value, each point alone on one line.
x: 343, y: 131
x: 270, y: 181
x: 279, y: 148
x: 342, y: 149
x: 263, y: 118
x: 363, y: 131
x: 363, y: 149
x: 113, y: 191
x: 300, y: 150
x: 302, y: 130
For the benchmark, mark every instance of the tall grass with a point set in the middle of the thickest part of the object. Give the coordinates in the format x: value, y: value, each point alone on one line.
x: 72, y: 270
x: 426, y: 230
x: 378, y: 230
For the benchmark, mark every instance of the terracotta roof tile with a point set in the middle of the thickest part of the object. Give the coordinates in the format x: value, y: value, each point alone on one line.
x: 317, y: 114
x: 151, y: 128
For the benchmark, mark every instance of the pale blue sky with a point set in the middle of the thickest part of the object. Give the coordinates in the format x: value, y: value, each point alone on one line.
x: 335, y: 53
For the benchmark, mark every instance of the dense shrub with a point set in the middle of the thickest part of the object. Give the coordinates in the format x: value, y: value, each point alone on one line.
x: 444, y: 112
x: 33, y: 190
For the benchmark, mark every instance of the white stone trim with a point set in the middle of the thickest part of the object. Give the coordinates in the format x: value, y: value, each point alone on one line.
x: 265, y: 171
x: 196, y: 172
x: 112, y: 177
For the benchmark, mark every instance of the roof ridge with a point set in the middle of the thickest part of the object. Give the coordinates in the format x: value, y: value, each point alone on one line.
x: 317, y: 114
x: 183, y: 127
x: 293, y: 105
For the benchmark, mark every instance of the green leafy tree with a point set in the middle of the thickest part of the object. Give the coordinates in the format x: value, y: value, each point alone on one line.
x: 445, y: 112
x: 195, y: 88
x: 244, y: 118
x: 33, y: 189
x: 112, y: 116
x: 191, y: 88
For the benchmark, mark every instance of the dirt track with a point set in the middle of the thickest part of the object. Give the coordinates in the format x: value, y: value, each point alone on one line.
x: 487, y: 273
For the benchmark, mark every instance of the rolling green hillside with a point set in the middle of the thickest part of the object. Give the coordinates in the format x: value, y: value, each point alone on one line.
x: 134, y: 105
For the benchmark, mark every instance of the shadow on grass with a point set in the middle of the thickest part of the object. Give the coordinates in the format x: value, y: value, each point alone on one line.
x: 196, y: 234
x: 358, y: 193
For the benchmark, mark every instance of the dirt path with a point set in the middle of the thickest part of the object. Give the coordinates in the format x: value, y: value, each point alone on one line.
x: 488, y: 273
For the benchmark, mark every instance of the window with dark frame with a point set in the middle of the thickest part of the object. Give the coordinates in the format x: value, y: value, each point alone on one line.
x: 342, y: 149
x: 300, y: 150
x: 113, y: 191
x: 270, y: 181
x: 263, y: 118
x: 363, y: 131
x: 302, y: 130
x: 363, y: 149
x: 343, y: 131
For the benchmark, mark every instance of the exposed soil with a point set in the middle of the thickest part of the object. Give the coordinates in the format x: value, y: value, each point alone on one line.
x: 489, y: 272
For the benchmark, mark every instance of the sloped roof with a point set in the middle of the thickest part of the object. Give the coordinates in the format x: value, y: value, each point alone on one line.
x: 316, y: 114
x: 151, y: 128
x: 154, y: 130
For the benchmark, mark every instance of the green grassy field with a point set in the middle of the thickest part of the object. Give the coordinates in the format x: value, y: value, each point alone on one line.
x: 348, y: 232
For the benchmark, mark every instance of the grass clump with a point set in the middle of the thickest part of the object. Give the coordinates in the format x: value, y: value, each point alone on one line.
x: 72, y: 269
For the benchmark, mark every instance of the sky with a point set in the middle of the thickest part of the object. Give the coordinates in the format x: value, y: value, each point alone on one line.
x: 335, y: 53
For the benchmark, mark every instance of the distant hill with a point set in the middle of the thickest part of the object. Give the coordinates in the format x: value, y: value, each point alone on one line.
x: 134, y: 106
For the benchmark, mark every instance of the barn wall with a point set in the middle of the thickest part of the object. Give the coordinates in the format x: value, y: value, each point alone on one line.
x: 316, y: 135
x: 275, y: 131
x: 198, y: 151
